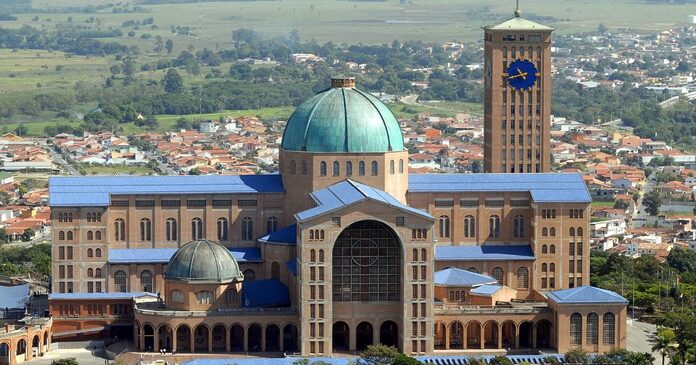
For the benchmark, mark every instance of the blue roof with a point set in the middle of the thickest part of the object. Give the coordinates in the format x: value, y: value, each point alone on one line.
x: 544, y: 188
x: 14, y: 296
x: 484, y: 253
x: 292, y: 266
x: 265, y: 293
x: 349, y: 192
x: 283, y: 236
x: 586, y: 295
x: 96, y: 190
x: 163, y: 255
x: 99, y: 296
x: 453, y: 276
x: 486, y: 290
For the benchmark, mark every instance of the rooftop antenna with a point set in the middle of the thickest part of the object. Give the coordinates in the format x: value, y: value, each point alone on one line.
x: 517, y: 9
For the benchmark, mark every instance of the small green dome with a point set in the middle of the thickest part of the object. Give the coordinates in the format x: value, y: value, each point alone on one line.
x: 203, y: 261
x: 343, y: 119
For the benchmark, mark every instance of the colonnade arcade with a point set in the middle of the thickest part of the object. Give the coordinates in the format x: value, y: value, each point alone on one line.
x: 493, y: 335
x: 23, y: 349
x: 202, y: 338
x: 364, y: 334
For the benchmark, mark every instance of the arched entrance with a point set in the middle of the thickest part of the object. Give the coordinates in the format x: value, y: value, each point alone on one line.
x: 456, y: 335
x: 473, y: 335
x: 389, y: 334
x: 440, y: 332
x: 21, y: 351
x: 4, y: 353
x: 219, y: 338
x: 543, y: 334
x: 340, y: 336
x: 490, y: 335
x: 364, y: 336
x: 165, y: 335
x: 183, y: 338
x: 290, y: 338
x: 46, y: 344
x: 272, y: 338
x: 237, y: 338
x: 35, y: 346
x: 148, y: 337
x: 509, y: 336
x: 254, y: 338
x: 201, y: 338
x: 526, y: 335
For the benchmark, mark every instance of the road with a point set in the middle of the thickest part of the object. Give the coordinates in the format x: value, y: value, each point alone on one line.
x: 413, y: 100
x: 640, y: 216
x: 638, y: 338
x: 64, y: 165
x: 166, y: 170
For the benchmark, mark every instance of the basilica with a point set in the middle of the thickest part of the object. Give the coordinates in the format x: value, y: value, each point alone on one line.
x: 342, y: 249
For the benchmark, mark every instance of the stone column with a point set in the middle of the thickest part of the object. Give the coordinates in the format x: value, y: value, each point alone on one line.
x: 447, y: 338
x: 500, y: 336
x: 534, y: 336
x: 228, y: 340
x: 156, y: 344
x: 482, y: 337
x: 517, y: 337
x: 141, y: 339
x: 192, y: 340
x: 210, y: 340
x: 173, y: 340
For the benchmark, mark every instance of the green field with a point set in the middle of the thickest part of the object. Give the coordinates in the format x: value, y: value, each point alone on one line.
x: 599, y: 204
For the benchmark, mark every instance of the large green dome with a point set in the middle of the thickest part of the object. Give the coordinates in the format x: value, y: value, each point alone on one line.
x: 203, y: 261
x: 343, y: 119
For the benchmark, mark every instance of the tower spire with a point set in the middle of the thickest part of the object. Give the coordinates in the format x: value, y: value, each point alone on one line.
x: 517, y: 9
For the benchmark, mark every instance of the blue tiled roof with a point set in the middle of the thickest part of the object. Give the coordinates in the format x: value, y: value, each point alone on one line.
x: 586, y: 295
x: 349, y: 192
x: 292, y: 266
x: 283, y: 236
x: 99, y: 296
x: 265, y: 293
x: 544, y: 188
x: 453, y: 276
x: 486, y: 290
x: 14, y: 296
x: 464, y: 360
x: 163, y: 255
x: 96, y: 190
x: 484, y: 253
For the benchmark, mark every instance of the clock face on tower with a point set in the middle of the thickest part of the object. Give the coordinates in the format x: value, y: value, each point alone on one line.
x: 521, y: 74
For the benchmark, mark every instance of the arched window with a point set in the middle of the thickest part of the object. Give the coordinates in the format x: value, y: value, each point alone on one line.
x: 375, y: 168
x: 522, y: 278
x: 444, y: 226
x: 415, y: 254
x: 146, y: 281
x: 97, y: 273
x: 322, y: 168
x: 401, y: 166
x: 97, y: 235
x: 247, y: 229
x: 119, y: 230
x: 196, y: 229
x: 275, y: 270
x: 349, y: 168
x: 304, y: 167
x: 249, y: 275
x: 222, y: 229
x: 544, y: 268
x: 170, y: 231
x: 580, y: 231
x: 177, y: 296
x: 424, y: 254
x: 90, y: 272
x: 391, y: 167
x: 120, y: 284
x: 90, y: 235
x: 271, y: 224
x: 544, y: 249
x: 97, y: 252
x: 312, y: 255
x: 518, y: 226
x: 552, y: 249
x: 60, y: 217
x: 494, y: 226
x: 571, y: 231
x: 145, y: 230
x: 576, y: 329
x: 451, y: 295
x: 61, y: 235
x: 608, y: 328
x: 293, y: 167
x: 361, y: 168
x: 498, y: 274
x: 90, y: 252
x: 321, y: 256
x: 543, y: 213
x: 336, y: 168
x: 70, y: 235
x: 469, y: 226
x: 473, y: 269
x: 544, y: 232
x: 552, y: 232
x: 593, y: 329
x: 205, y: 297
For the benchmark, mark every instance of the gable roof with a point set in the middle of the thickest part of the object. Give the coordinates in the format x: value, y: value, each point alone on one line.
x: 518, y: 23
x: 283, y: 236
x: 543, y: 187
x: 453, y: 276
x: 97, y: 190
x: 349, y: 192
x: 485, y: 290
x: 586, y: 295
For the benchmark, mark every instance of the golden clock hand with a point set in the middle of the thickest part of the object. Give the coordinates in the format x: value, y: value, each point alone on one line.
x: 519, y: 75
x: 522, y: 74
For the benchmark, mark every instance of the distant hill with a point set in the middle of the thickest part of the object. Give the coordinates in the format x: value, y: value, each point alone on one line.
x: 160, y: 2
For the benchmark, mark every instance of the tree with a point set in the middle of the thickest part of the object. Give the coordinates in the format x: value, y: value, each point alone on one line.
x: 21, y: 130
x: 128, y: 66
x: 28, y: 234
x: 150, y: 122
x: 3, y: 234
x: 172, y: 82
x: 65, y: 361
x: 500, y: 360
x: 663, y: 342
x: 385, y: 355
x: 194, y: 171
x: 652, y: 202
x: 169, y: 46
x: 115, y: 70
x: 577, y: 356
x: 601, y: 28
